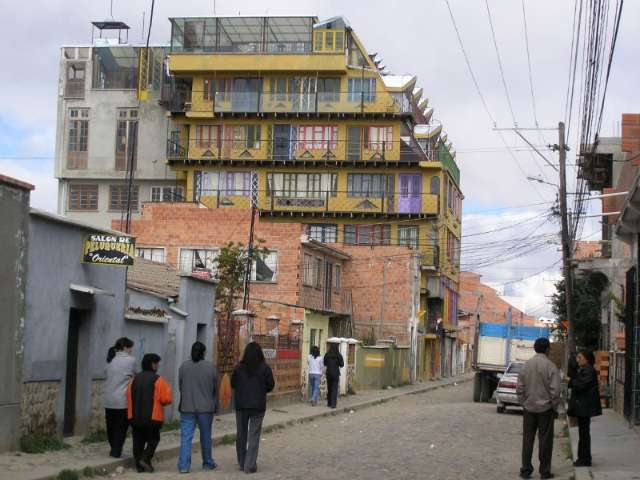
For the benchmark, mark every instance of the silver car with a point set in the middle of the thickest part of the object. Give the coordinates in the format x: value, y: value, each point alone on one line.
x: 506, y: 391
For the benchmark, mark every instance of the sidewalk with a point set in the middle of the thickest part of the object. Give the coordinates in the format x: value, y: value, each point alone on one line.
x: 22, y: 466
x: 615, y: 448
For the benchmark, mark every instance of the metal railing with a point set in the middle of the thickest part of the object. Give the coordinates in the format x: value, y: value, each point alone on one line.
x: 175, y: 98
x: 256, y: 101
x: 293, y: 150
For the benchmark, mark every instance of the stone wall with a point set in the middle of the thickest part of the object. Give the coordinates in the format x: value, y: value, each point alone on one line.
x: 96, y: 414
x: 39, y: 404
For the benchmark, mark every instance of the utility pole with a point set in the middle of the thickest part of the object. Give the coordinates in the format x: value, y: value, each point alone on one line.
x: 566, y: 240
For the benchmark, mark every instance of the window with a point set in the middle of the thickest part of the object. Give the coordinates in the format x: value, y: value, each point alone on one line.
x: 126, y: 138
x: 408, y: 235
x: 78, y: 138
x: 246, y: 136
x: 115, y: 67
x: 301, y: 185
x: 378, y: 138
x: 328, y: 89
x: 308, y: 270
x: 118, y: 197
x: 151, y: 253
x: 194, y: 259
x: 318, y: 271
x: 167, y: 194
x: 323, y: 232
x: 369, y: 185
x: 362, y: 90
x: 337, y: 276
x: 367, y: 234
x: 227, y: 183
x: 74, y: 85
x: 317, y: 137
x: 435, y: 185
x: 265, y: 268
x: 217, y: 88
x: 329, y: 40
x: 83, y: 197
x: 208, y: 136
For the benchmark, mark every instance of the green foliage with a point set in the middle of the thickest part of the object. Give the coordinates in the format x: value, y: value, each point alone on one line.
x: 170, y: 426
x: 88, y: 472
x: 99, y: 436
x: 39, y: 443
x: 370, y: 339
x: 68, y: 475
x: 587, y: 307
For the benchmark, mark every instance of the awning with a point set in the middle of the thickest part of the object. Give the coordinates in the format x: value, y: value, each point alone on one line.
x: 74, y: 287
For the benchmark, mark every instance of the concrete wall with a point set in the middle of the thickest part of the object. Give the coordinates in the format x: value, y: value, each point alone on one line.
x: 103, y: 108
x: 54, y: 263
x: 381, y: 367
x: 14, y: 216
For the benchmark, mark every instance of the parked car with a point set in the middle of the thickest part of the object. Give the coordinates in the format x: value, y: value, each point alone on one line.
x: 506, y: 391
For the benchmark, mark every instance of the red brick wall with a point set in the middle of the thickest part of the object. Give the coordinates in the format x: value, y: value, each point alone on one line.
x: 364, y: 275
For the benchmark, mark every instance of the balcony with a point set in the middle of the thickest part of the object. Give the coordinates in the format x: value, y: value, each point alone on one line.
x: 430, y: 258
x: 286, y: 152
x: 259, y: 103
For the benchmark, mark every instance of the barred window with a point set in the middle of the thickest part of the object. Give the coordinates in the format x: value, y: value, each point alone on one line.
x: 83, y: 197
x: 323, y: 232
x: 408, y: 235
x: 369, y: 185
x: 367, y: 234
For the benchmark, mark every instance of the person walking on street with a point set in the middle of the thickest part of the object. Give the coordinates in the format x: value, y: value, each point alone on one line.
x: 198, y: 381
x: 539, y: 394
x: 121, y: 367
x: 251, y: 380
x: 148, y: 392
x: 316, y: 366
x: 584, y: 403
x: 333, y: 362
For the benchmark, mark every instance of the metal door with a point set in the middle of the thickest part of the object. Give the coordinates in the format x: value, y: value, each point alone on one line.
x: 354, y: 135
x: 71, y: 381
x: 282, y: 142
x: 410, y: 190
x: 328, y: 284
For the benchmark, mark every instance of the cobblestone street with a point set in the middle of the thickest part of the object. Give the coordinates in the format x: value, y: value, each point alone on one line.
x: 439, y: 435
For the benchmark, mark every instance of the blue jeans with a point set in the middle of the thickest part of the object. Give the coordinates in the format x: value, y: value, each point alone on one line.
x: 188, y: 422
x: 314, y: 386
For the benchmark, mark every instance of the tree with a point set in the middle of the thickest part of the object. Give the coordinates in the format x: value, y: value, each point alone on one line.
x: 587, y: 306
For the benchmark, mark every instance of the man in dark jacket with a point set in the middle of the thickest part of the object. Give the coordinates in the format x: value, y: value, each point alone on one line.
x: 584, y: 403
x: 251, y: 380
x: 198, y: 380
x: 333, y: 362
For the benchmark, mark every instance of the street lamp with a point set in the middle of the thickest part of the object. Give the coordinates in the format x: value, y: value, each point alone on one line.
x: 539, y: 180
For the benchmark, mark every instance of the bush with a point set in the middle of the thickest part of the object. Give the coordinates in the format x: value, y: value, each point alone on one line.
x: 98, y: 436
x: 88, y: 472
x: 68, y: 475
x: 39, y: 443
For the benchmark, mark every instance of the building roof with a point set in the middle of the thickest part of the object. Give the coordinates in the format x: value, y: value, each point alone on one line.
x: 399, y: 81
x: 75, y: 223
x: 324, y: 248
x: 159, y: 278
x: 14, y: 182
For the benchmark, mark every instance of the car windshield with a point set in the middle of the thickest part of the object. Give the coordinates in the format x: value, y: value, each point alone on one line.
x: 515, y: 368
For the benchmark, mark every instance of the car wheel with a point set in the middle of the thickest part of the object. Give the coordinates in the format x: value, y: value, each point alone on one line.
x: 477, y: 387
x: 485, y: 389
x: 501, y: 408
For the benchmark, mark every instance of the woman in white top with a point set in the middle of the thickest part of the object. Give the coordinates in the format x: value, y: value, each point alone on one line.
x: 316, y: 367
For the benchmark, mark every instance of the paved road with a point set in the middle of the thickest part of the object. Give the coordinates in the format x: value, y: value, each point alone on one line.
x: 437, y: 435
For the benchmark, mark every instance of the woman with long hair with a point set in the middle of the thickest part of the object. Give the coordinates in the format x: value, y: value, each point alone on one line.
x: 315, y: 369
x: 121, y: 367
x: 584, y: 403
x: 333, y: 362
x: 198, y: 381
x: 251, y: 380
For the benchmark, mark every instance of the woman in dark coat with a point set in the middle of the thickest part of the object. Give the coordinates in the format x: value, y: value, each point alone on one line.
x: 251, y: 380
x: 333, y: 362
x: 584, y: 403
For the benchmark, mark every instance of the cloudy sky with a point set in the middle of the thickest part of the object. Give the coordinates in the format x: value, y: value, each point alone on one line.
x: 504, y: 243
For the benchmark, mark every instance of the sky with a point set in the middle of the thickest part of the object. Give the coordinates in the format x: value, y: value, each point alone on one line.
x: 415, y: 37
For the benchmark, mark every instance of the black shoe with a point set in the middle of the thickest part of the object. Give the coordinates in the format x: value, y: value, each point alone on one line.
x: 525, y: 475
x: 139, y: 468
x: 547, y: 475
x: 251, y: 470
x: 581, y: 463
x: 146, y: 466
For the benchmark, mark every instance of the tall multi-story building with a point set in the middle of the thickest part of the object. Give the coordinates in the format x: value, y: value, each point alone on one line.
x: 103, y: 128
x: 290, y: 114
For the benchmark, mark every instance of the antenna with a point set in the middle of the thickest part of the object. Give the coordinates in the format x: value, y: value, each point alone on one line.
x: 214, y: 8
x: 111, y: 9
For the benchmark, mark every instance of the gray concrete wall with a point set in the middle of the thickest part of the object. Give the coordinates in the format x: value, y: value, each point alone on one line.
x: 54, y: 263
x: 103, y: 108
x: 14, y: 217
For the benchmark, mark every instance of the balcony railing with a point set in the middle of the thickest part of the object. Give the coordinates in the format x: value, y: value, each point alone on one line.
x: 256, y: 101
x: 286, y: 150
x: 175, y: 98
x: 329, y: 202
x: 430, y: 258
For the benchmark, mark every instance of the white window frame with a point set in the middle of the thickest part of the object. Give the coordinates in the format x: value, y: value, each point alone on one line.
x: 173, y: 188
x: 163, y: 249
x: 275, y: 265
x: 214, y: 268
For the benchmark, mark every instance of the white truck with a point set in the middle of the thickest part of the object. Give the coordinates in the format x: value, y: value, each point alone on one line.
x: 496, y: 346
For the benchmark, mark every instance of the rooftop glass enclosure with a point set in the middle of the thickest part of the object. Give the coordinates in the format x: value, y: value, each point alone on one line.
x: 242, y: 34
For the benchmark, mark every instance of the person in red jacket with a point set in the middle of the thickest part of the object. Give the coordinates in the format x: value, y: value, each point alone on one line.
x: 147, y: 393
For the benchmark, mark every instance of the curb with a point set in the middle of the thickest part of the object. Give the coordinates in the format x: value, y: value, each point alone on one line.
x: 173, y: 451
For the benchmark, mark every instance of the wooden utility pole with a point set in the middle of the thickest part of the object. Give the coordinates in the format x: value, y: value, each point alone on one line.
x: 566, y: 239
